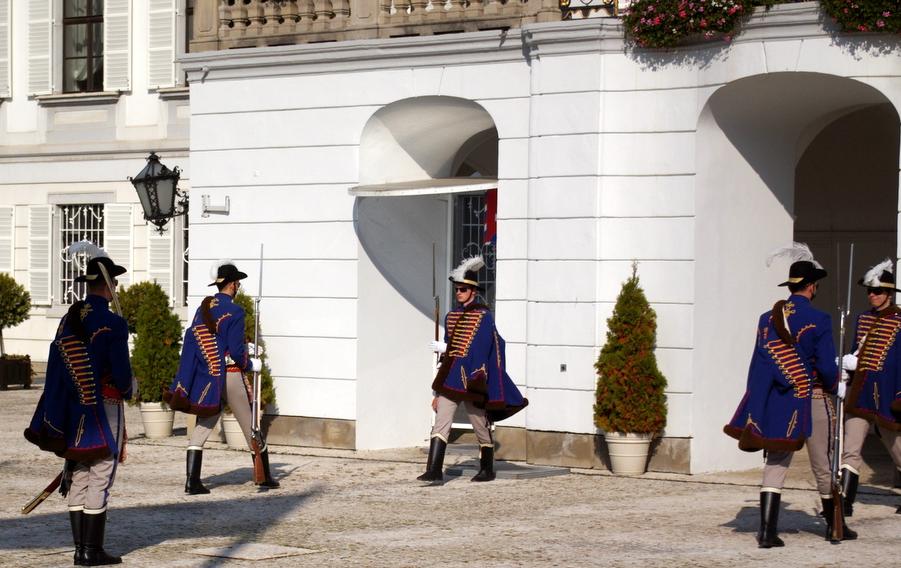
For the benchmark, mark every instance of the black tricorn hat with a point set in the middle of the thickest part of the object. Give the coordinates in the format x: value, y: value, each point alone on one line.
x: 93, y: 273
x: 880, y: 276
x: 804, y: 272
x: 225, y: 272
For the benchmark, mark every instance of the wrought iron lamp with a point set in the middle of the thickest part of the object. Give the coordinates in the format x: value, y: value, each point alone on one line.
x: 157, y: 188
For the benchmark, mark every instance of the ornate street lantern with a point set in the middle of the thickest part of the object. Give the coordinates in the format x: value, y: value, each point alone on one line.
x: 157, y: 188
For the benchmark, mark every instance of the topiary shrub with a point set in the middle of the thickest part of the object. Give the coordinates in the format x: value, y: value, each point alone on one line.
x: 15, y: 301
x: 267, y: 389
x: 157, y: 343
x: 630, y: 389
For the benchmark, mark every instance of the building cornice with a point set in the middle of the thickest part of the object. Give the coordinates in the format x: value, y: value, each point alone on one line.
x: 118, y: 150
x: 593, y: 35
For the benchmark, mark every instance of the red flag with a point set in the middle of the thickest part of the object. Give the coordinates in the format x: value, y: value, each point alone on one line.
x: 490, y: 217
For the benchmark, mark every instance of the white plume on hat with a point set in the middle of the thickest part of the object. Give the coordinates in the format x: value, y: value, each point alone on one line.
x: 873, y: 275
x: 86, y: 247
x: 214, y: 270
x: 795, y: 253
x: 473, y: 264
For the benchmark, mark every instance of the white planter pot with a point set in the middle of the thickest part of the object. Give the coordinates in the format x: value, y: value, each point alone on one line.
x: 628, y: 452
x: 234, y: 437
x: 157, y: 418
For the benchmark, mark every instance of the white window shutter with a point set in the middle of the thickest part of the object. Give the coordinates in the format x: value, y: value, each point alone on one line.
x: 5, y: 47
x: 161, y: 44
x: 117, y: 236
x: 40, y: 224
x: 40, y: 46
x: 7, y: 233
x: 116, y: 45
x: 160, y: 258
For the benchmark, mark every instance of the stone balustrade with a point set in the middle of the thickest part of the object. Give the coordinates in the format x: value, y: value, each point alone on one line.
x: 227, y: 24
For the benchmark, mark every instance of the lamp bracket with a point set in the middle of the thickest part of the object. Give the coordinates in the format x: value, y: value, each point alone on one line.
x: 207, y: 209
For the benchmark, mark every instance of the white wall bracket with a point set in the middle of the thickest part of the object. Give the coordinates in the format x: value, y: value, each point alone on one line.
x: 208, y: 209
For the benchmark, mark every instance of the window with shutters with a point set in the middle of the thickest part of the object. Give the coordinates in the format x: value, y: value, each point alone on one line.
x: 82, y: 46
x: 76, y: 223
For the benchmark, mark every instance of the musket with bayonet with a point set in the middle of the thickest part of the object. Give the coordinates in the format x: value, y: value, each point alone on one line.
x: 256, y: 435
x: 437, y: 313
x: 838, y: 525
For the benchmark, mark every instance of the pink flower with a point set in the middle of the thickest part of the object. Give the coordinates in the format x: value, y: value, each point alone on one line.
x: 682, y: 14
x: 880, y: 24
x: 886, y: 14
x: 703, y: 23
x: 862, y: 28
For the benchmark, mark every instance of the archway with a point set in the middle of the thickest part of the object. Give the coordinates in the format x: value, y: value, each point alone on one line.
x: 774, y: 156
x: 415, y: 154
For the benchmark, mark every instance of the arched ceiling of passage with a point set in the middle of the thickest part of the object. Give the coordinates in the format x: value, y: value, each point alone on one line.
x: 419, y: 138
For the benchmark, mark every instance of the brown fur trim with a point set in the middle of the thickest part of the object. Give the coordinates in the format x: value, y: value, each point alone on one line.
x: 176, y: 400
x: 47, y: 443
x: 749, y: 441
x: 505, y: 412
x: 779, y: 323
x: 896, y: 405
x: 887, y: 424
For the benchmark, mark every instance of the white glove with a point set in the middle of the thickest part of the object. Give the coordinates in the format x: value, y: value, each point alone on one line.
x: 254, y: 350
x: 256, y: 365
x: 438, y: 346
x: 842, y: 387
x: 849, y: 362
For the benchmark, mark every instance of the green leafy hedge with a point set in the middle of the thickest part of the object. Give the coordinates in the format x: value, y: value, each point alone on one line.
x: 630, y: 388
x: 157, y: 340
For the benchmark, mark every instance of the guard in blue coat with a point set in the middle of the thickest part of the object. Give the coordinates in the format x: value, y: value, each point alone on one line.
x: 211, y: 373
x: 875, y: 392
x: 472, y: 373
x: 80, y: 416
x: 785, y: 406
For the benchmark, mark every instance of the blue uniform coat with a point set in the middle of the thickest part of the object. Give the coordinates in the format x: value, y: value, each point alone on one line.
x: 70, y: 419
x: 197, y: 387
x: 875, y: 392
x: 787, y: 362
x: 475, y: 363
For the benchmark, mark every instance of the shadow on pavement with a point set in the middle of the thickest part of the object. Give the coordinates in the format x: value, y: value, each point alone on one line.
x: 791, y: 521
x: 130, y: 529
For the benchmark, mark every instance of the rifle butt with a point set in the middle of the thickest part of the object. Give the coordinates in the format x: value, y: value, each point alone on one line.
x: 258, y: 474
x: 838, y: 516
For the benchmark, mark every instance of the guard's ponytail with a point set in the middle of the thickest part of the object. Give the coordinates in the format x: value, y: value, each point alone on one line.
x: 206, y: 315
x: 73, y: 318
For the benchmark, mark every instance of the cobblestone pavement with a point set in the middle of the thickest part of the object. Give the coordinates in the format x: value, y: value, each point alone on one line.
x: 365, y: 509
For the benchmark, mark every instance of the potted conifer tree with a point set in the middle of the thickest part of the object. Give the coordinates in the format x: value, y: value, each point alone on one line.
x: 155, y: 355
x: 630, y: 405
x: 233, y: 435
x: 15, y: 301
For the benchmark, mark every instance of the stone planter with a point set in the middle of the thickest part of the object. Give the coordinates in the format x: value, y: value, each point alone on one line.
x: 157, y: 418
x: 234, y: 437
x: 15, y: 371
x: 628, y: 452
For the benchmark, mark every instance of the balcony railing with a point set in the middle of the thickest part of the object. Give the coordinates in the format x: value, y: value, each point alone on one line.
x: 256, y: 23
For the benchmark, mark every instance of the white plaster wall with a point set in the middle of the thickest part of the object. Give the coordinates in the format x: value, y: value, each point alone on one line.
x: 604, y: 158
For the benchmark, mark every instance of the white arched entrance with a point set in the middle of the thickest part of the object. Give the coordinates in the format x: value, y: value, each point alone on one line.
x: 414, y: 154
x: 780, y: 156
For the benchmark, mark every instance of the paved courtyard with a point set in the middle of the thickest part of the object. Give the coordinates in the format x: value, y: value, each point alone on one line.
x: 365, y: 509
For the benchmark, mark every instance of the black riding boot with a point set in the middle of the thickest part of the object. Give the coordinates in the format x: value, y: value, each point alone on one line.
x: 849, y: 490
x: 486, y: 464
x: 193, y: 486
x: 92, y: 539
x: 767, y: 536
x: 76, y: 520
x: 268, y: 481
x: 434, y: 472
x: 828, y: 513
